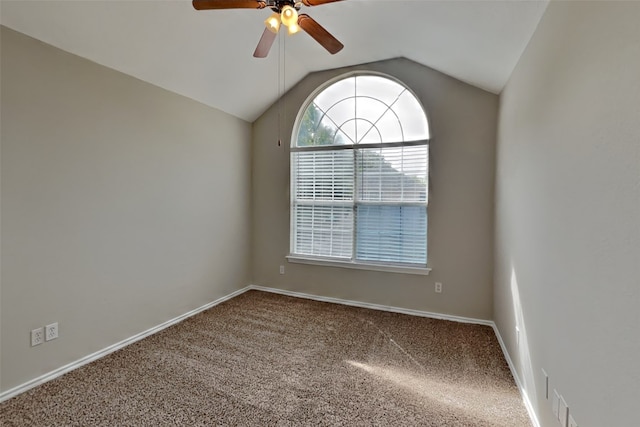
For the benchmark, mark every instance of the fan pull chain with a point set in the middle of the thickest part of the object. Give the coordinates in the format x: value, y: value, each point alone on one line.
x: 284, y: 83
x: 279, y: 96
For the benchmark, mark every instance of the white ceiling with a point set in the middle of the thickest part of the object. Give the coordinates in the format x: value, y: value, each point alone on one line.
x: 207, y: 55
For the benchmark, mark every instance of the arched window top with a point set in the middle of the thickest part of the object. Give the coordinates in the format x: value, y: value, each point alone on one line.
x: 362, y: 109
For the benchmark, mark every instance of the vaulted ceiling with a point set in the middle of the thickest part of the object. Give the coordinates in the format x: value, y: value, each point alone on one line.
x: 207, y: 55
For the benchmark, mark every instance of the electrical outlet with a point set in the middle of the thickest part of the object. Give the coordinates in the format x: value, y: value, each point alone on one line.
x: 563, y: 412
x: 51, y: 332
x: 545, y: 384
x: 282, y: 269
x: 555, y: 404
x: 438, y: 287
x: 517, y: 336
x: 572, y: 422
x: 37, y: 337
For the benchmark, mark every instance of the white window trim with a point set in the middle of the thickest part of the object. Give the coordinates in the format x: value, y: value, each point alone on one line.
x: 359, y: 265
x: 349, y: 263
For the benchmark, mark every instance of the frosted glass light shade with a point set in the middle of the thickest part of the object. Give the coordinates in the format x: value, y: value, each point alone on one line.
x: 273, y: 22
x: 289, y: 16
x: 293, y: 28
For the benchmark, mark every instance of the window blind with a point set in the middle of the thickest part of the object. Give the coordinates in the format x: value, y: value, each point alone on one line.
x: 391, y: 205
x: 376, y: 195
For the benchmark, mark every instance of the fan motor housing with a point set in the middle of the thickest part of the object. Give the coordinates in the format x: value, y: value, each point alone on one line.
x: 277, y: 5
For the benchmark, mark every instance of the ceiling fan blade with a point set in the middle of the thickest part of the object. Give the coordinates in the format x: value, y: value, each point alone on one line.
x: 228, y: 4
x: 318, y: 32
x: 264, y: 45
x: 317, y: 2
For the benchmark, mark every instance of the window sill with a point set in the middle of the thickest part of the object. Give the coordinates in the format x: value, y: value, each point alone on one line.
x: 297, y: 259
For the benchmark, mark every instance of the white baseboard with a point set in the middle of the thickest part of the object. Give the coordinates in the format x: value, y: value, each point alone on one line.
x: 516, y: 377
x: 375, y: 306
x: 114, y: 347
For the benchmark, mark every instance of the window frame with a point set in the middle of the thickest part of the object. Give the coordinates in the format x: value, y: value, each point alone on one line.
x: 354, y: 263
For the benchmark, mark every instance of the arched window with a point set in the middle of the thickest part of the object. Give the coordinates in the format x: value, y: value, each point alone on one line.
x: 359, y: 170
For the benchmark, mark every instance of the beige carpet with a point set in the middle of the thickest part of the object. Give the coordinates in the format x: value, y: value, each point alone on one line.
x: 262, y: 359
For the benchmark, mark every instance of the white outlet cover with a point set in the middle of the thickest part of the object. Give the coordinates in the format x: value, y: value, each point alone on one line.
x: 51, y: 331
x: 37, y: 337
x: 545, y: 378
x: 572, y: 422
x: 555, y: 404
x: 563, y: 412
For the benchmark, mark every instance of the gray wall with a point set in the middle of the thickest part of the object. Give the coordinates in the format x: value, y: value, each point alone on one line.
x: 460, y: 242
x: 568, y: 212
x: 123, y: 206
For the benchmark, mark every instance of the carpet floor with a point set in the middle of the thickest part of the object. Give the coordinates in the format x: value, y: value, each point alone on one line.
x: 263, y: 359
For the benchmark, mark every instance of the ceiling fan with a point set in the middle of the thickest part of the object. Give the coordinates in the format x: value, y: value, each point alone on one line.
x: 285, y: 12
